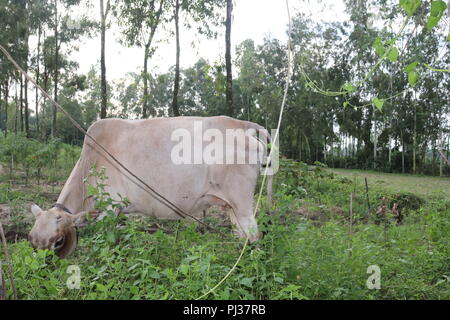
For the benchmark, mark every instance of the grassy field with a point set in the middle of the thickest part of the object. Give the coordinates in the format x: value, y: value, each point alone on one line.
x: 312, y: 248
x: 421, y: 185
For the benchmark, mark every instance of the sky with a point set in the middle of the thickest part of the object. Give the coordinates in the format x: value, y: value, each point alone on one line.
x: 254, y: 19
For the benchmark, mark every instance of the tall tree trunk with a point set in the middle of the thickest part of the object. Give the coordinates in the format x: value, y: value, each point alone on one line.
x: 27, y: 35
x: 390, y: 125
x: 145, y: 76
x: 433, y: 157
x: 56, y: 70
x: 21, y: 103
x: 16, y: 115
x: 26, y: 113
x: 375, y: 140
x: 403, y: 153
x: 103, y: 14
x: 229, y: 85
x: 6, y: 106
x: 145, y: 109
x: 38, y: 57
x: 176, y: 85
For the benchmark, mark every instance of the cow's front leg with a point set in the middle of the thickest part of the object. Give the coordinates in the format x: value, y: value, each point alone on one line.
x: 245, y: 224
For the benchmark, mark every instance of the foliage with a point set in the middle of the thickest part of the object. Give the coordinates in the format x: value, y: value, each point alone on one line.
x: 297, y: 259
x: 390, y: 112
x: 20, y: 153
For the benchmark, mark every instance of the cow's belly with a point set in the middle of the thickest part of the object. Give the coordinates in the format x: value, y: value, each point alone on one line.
x: 182, y: 185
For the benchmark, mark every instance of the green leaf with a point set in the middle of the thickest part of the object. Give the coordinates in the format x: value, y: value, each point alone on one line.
x: 378, y: 46
x: 91, y: 191
x: 410, y: 6
x: 279, y: 279
x: 393, y: 54
x: 345, y: 104
x: 437, y: 8
x: 411, y: 67
x: 184, y: 269
x: 348, y: 87
x: 436, y: 12
x: 432, y: 22
x: 101, y: 287
x: 111, y: 237
x: 247, y: 281
x: 412, y: 78
x: 378, y: 103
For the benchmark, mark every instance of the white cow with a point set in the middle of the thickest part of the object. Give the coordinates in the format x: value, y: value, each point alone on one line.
x: 148, y: 148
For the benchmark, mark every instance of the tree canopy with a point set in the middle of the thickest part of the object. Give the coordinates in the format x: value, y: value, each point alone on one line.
x: 370, y: 92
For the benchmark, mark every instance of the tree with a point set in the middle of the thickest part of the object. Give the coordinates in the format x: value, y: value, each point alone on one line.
x: 176, y: 86
x: 140, y: 20
x: 40, y: 15
x: 229, y: 88
x: 55, y: 75
x: 205, y: 15
x: 103, y: 14
x: 65, y: 30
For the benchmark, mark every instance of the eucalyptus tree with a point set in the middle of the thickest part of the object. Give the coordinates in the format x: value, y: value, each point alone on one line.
x: 140, y: 19
x: 229, y: 87
x: 7, y: 39
x: 13, y: 35
x: 202, y: 14
x: 129, y: 92
x: 40, y: 17
x: 208, y: 95
x: 93, y: 97
x: 65, y: 31
x: 104, y: 11
x: 250, y: 78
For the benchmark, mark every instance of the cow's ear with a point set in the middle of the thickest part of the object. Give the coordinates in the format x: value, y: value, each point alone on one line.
x: 35, y: 210
x: 79, y: 219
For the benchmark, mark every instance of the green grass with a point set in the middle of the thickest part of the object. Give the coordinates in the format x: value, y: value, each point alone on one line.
x: 396, y: 182
x: 297, y: 259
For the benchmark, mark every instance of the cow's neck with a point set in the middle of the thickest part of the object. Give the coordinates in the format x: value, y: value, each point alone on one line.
x: 73, y: 193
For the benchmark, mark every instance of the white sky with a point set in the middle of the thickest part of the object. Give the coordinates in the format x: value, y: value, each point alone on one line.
x: 252, y: 19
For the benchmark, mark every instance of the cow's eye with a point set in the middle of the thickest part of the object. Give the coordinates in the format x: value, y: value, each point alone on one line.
x: 59, y: 243
x: 58, y: 218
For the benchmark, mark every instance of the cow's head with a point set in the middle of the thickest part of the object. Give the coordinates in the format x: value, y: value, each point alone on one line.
x: 55, y: 229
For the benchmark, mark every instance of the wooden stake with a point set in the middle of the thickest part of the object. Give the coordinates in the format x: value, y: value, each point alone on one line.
x: 2, y: 284
x: 350, y: 227
x: 8, y: 261
x: 367, y: 197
